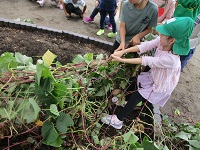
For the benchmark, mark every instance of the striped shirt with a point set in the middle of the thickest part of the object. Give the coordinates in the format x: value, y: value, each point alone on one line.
x: 158, y: 84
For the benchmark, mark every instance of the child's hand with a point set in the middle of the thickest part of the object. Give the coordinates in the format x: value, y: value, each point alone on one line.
x: 118, y: 53
x: 96, y: 3
x: 121, y: 46
x: 116, y: 58
x: 135, y: 40
x: 67, y: 15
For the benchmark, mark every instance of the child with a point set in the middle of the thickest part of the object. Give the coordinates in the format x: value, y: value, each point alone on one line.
x: 165, y: 9
x: 189, y: 8
x: 136, y: 20
x: 72, y: 6
x: 157, y: 84
x: 58, y: 2
x: 194, y: 42
x: 96, y: 11
x: 107, y: 7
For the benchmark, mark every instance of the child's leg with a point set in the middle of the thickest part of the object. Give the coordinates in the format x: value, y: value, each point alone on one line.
x: 69, y: 8
x: 103, y: 14
x: 94, y: 12
x: 133, y: 100
x: 77, y: 11
x: 184, y: 59
x: 112, y: 21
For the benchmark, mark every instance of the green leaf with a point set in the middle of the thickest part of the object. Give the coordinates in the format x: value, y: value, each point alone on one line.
x: 197, y: 125
x: 57, y: 142
x: 139, y: 104
x: 183, y: 135
x: 35, y: 107
x: 60, y: 90
x: 39, y: 69
x: 78, y: 59
x: 63, y: 122
x: 149, y: 145
x: 23, y: 59
x: 99, y: 57
x: 88, y: 58
x: 130, y: 137
x: 54, y: 109
x: 7, y: 61
x: 100, y: 93
x: 195, y: 143
x: 31, y: 111
x: 50, y: 135
x: 44, y: 91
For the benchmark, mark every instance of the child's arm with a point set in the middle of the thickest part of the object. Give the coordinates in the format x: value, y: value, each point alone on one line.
x: 127, y: 60
x: 65, y: 11
x: 122, y: 31
x: 84, y: 9
x: 136, y: 39
x: 128, y: 50
x: 96, y: 3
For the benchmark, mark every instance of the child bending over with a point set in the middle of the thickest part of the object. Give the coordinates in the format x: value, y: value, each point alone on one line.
x: 157, y: 84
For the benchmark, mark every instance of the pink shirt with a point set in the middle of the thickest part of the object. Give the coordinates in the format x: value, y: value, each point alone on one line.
x: 158, y: 83
x: 169, y: 8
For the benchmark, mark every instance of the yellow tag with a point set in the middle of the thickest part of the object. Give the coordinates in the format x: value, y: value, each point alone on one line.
x: 48, y: 58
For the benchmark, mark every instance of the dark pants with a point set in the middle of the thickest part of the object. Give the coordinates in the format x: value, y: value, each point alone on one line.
x: 115, y: 46
x: 133, y: 97
x: 111, y: 14
x: 71, y: 9
x: 95, y: 12
x: 184, y: 59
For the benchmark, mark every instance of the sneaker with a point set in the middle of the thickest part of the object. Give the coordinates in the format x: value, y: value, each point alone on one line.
x: 88, y: 20
x: 110, y: 26
x: 100, y: 32
x: 113, y: 121
x: 40, y: 2
x: 111, y: 34
x: 59, y: 5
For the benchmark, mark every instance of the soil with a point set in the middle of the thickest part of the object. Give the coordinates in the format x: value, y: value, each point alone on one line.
x: 186, y: 96
x: 35, y: 44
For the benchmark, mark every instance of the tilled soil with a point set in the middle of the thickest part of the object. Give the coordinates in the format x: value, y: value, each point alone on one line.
x: 34, y: 44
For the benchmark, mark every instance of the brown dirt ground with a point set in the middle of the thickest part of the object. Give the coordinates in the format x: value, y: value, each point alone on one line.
x: 35, y: 44
x: 186, y: 96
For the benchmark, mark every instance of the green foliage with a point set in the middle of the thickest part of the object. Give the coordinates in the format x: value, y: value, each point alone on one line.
x: 68, y: 102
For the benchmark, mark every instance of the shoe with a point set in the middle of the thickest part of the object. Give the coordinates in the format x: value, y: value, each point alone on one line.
x: 116, y: 101
x: 100, y: 32
x: 110, y: 26
x: 59, y: 5
x: 41, y: 2
x: 111, y: 34
x: 68, y: 17
x: 113, y: 121
x: 88, y: 20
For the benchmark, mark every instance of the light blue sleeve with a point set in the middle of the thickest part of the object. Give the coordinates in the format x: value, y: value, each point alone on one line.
x: 122, y: 19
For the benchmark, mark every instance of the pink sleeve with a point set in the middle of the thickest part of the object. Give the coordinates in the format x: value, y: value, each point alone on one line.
x: 162, y: 61
x: 149, y: 45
